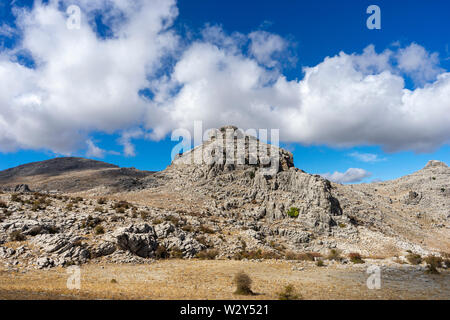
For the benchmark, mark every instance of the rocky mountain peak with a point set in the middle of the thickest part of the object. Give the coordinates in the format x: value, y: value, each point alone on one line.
x: 230, y: 148
x: 435, y: 163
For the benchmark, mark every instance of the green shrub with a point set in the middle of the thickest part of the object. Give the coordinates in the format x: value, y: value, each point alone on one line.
x: 293, y: 212
x: 243, y: 284
x: 288, y: 293
x: 355, y: 257
x: 320, y: 263
x: 414, y: 258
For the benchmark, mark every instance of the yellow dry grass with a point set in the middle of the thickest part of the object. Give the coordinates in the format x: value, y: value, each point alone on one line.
x: 194, y: 279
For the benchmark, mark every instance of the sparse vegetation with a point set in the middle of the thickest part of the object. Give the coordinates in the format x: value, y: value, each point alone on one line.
x: 101, y: 201
x: 17, y: 236
x: 3, y: 204
x: 98, y: 209
x: 306, y: 256
x: 334, y: 254
x: 320, y: 263
x: 206, y: 229
x: 16, y: 198
x: 355, y: 257
x: 289, y: 293
x: 243, y: 284
x: 176, y: 253
x: 414, y: 258
x: 161, y: 252
x: 293, y: 212
x: 209, y: 254
x: 144, y: 215
x: 99, y: 229
x: 433, y: 262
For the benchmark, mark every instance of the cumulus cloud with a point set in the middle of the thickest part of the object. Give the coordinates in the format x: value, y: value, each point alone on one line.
x: 125, y: 141
x: 264, y: 46
x: 81, y: 83
x: 346, y: 100
x: 366, y: 157
x: 421, y: 65
x: 352, y: 175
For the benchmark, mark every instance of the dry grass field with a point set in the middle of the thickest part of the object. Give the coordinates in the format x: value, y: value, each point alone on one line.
x: 194, y: 279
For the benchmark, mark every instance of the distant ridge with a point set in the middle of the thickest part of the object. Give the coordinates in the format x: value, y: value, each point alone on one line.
x: 53, y: 167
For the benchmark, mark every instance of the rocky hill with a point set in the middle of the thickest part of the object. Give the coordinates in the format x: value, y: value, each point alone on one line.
x: 70, y: 174
x: 254, y: 205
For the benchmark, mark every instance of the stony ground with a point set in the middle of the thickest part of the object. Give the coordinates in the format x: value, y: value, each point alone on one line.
x: 194, y: 279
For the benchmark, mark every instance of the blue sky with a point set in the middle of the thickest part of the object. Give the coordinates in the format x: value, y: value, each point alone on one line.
x: 307, y: 32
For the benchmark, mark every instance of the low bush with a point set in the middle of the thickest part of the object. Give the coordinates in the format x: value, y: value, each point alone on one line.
x: 206, y: 229
x: 414, y: 258
x: 306, y: 256
x: 320, y: 263
x: 99, y: 229
x: 355, y: 257
x: 433, y: 262
x: 161, y: 252
x: 144, y: 214
x: 293, y: 212
x: 17, y: 236
x: 209, y: 254
x: 98, y: 209
x: 289, y: 293
x: 176, y: 253
x: 101, y: 201
x: 243, y: 284
x: 334, y: 254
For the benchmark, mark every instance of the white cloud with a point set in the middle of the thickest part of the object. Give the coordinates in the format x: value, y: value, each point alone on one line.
x: 83, y: 84
x: 93, y: 150
x: 366, y: 157
x: 125, y: 141
x: 421, y: 65
x: 345, y: 101
x: 265, y: 45
x: 349, y: 176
